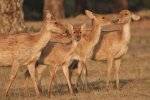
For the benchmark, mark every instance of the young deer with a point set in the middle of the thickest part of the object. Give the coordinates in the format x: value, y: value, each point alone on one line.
x: 112, y: 46
x: 58, y: 54
x: 87, y: 43
x: 25, y: 48
x: 61, y: 38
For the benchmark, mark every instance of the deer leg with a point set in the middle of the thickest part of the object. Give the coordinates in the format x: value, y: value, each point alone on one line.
x: 13, y: 74
x: 53, y: 70
x: 66, y: 73
x: 27, y: 76
x: 75, y: 67
x: 70, y: 74
x: 84, y: 72
x: 109, y: 62
x: 40, y: 70
x: 31, y: 68
x: 79, y: 71
x: 117, y: 66
x: 26, y: 86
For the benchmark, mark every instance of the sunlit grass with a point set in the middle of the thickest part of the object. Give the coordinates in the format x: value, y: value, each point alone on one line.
x: 134, y: 74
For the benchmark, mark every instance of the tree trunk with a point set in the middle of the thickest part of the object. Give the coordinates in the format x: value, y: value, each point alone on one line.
x: 11, y: 16
x: 56, y: 7
x: 119, y: 5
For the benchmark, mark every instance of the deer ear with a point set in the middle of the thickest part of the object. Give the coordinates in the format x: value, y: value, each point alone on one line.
x: 89, y: 14
x: 48, y: 15
x: 83, y: 28
x: 135, y: 17
x: 70, y: 28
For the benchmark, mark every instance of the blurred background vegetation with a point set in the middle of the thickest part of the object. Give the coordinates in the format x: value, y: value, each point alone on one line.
x: 14, y: 13
x: 33, y: 9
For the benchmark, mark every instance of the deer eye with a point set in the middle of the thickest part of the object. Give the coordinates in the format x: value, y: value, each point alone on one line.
x: 56, y: 23
x: 80, y: 32
x: 126, y: 14
x: 103, y: 17
x: 74, y: 32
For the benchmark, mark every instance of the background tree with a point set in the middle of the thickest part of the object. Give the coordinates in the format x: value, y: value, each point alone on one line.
x: 11, y: 16
x: 56, y: 7
x: 119, y: 5
x: 80, y: 6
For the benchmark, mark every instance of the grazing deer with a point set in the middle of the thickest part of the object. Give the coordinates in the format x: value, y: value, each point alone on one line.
x: 24, y: 49
x: 87, y: 43
x: 112, y: 46
x: 58, y: 54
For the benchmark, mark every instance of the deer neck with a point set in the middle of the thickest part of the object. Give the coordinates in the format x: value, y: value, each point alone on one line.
x: 75, y: 43
x: 43, y: 40
x: 95, y: 33
x: 126, y: 33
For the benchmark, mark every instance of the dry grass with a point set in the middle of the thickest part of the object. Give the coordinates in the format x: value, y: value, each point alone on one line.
x: 134, y: 74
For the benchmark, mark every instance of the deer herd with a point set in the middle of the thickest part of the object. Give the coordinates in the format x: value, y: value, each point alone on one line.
x: 54, y: 46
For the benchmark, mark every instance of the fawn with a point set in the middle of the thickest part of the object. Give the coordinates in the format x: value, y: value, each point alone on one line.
x: 87, y: 43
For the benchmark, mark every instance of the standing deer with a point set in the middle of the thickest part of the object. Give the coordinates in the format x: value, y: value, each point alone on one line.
x: 112, y: 46
x: 24, y: 49
x: 87, y: 43
x: 58, y: 54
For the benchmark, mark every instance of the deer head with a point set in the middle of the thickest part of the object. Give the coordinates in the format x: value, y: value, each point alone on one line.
x: 53, y: 25
x: 98, y: 18
x: 125, y: 16
x: 76, y: 32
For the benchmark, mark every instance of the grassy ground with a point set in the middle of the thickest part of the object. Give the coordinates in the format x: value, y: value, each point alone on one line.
x: 134, y: 73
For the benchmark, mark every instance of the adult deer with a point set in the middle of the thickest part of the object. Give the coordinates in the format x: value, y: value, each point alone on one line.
x: 25, y: 48
x: 58, y: 54
x: 112, y: 46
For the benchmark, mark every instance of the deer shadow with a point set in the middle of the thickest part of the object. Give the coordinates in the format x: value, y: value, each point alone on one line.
x: 97, y: 85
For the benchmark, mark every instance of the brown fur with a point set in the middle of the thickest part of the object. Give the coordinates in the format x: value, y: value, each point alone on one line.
x: 24, y: 49
x: 113, y: 45
x: 105, y: 45
x: 58, y: 54
x: 87, y: 43
x: 61, y: 38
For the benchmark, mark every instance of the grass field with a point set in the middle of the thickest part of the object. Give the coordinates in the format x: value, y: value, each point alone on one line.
x: 134, y: 73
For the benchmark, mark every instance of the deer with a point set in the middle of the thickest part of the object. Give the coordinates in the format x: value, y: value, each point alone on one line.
x: 58, y: 54
x: 61, y: 38
x: 25, y: 48
x: 112, y: 46
x: 87, y: 43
